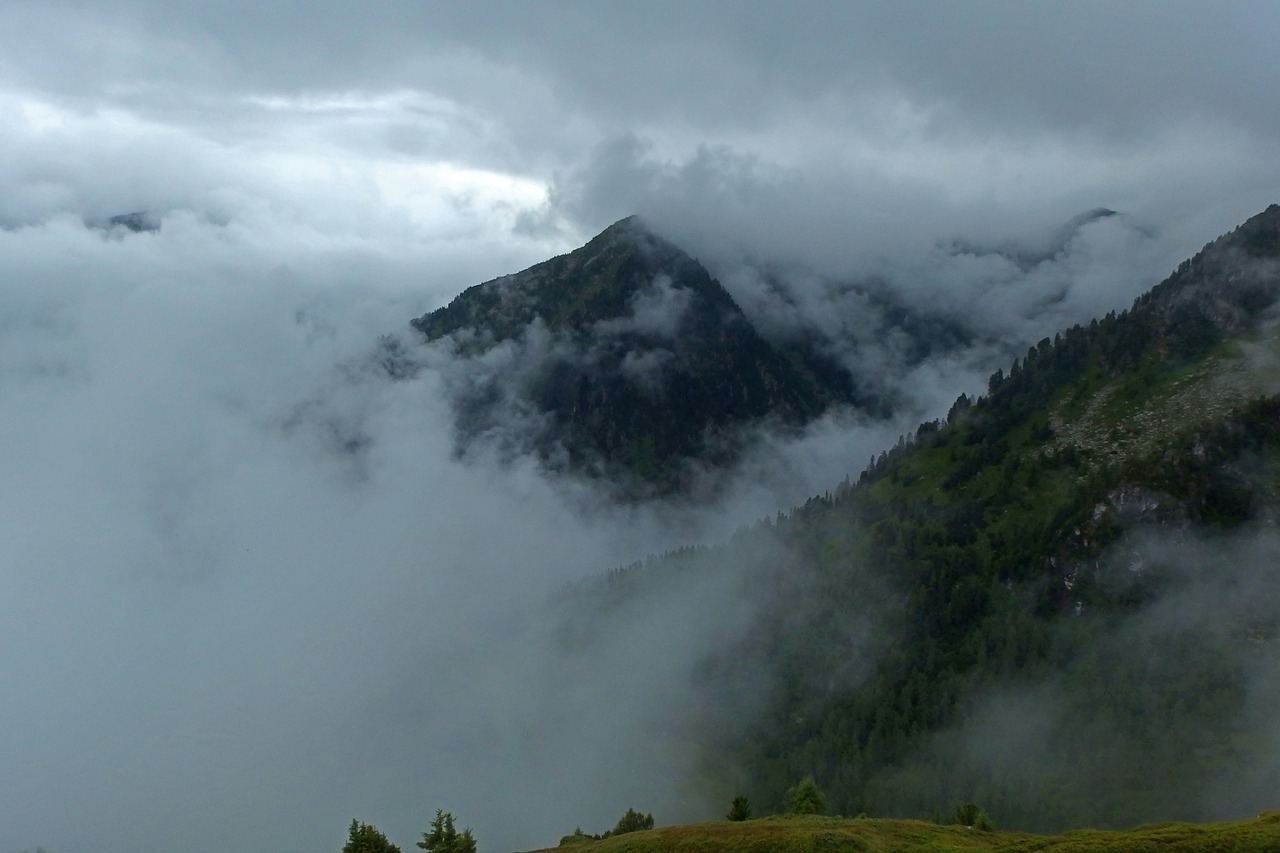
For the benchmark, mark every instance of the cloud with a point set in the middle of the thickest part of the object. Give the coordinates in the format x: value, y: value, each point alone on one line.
x: 221, y: 605
x: 1021, y: 109
x: 1165, y: 696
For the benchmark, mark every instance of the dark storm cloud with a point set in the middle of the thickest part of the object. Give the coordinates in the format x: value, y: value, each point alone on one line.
x: 553, y: 76
x: 1089, y: 65
x: 831, y: 134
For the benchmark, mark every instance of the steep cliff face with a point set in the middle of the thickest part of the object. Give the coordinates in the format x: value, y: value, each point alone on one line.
x: 623, y: 360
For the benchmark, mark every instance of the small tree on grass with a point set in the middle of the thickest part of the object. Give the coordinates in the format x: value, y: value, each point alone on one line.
x: 806, y: 797
x: 739, y: 809
x: 366, y: 838
x: 632, y: 821
x: 444, y: 838
x: 970, y: 815
x: 577, y: 837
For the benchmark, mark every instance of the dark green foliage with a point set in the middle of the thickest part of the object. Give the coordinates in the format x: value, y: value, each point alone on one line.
x: 970, y: 815
x: 631, y: 821
x: 366, y: 838
x: 739, y: 809
x: 445, y: 838
x: 806, y: 798
x: 577, y: 837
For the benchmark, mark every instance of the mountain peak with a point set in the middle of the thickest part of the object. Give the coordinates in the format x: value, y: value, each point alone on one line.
x: 1260, y: 234
x: 629, y: 358
x: 599, y: 281
x: 625, y: 225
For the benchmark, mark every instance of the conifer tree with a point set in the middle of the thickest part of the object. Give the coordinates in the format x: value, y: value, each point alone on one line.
x: 445, y: 838
x: 632, y: 821
x: 367, y: 838
x: 971, y: 815
x: 807, y: 798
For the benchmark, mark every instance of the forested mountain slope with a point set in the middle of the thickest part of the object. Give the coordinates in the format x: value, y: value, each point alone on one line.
x: 1059, y: 603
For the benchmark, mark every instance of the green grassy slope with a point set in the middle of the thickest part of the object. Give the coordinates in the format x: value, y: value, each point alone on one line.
x: 822, y: 834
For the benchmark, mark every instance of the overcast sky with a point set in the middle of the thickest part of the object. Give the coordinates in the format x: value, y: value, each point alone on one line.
x: 221, y: 628
x: 822, y: 130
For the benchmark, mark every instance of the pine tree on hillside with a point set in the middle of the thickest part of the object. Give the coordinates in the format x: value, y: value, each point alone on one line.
x: 632, y: 821
x: 972, y: 816
x: 445, y: 838
x: 367, y: 838
x: 807, y: 798
x: 739, y: 809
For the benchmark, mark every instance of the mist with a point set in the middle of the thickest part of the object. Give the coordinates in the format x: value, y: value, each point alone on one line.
x: 1166, y: 700
x: 251, y: 593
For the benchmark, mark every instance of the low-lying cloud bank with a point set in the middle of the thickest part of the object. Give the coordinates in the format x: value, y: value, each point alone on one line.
x: 249, y: 591
x: 252, y: 593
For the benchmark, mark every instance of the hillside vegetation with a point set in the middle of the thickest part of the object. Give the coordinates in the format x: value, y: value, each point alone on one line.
x: 1057, y: 602
x: 811, y: 834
